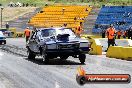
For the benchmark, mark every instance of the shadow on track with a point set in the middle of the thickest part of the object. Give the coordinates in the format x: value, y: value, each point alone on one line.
x: 54, y: 62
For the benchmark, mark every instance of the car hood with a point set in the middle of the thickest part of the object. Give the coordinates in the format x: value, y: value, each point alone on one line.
x: 71, y: 40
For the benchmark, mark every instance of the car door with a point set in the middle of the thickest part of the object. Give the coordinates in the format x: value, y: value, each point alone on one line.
x: 33, y: 43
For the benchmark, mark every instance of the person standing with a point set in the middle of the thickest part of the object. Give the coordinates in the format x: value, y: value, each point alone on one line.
x: 79, y: 29
x: 27, y: 33
x: 124, y: 34
x: 7, y: 26
x: 129, y: 33
x: 65, y: 25
x: 103, y: 33
x: 119, y: 33
x: 111, y: 35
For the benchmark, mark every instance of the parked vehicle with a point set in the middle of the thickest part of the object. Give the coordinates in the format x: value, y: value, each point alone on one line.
x: 2, y: 38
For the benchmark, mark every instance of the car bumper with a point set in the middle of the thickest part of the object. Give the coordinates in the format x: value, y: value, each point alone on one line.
x: 2, y: 42
x: 68, y: 51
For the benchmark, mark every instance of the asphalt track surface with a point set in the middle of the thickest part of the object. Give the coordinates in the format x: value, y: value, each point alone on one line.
x: 19, y: 72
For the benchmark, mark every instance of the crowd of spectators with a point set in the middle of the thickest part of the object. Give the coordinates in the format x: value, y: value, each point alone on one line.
x: 18, y: 4
x: 120, y: 33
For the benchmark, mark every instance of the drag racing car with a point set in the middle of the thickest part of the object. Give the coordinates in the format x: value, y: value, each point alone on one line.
x: 56, y: 42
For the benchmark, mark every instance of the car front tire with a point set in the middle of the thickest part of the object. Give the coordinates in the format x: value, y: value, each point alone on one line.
x: 30, y: 55
x: 82, y: 58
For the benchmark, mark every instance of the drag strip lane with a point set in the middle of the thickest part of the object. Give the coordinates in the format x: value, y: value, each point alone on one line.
x: 25, y: 74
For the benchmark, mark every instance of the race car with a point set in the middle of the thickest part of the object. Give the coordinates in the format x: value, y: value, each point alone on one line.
x: 57, y: 42
x: 2, y: 38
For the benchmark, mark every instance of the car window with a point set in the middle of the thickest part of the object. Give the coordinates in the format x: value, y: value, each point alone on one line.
x: 66, y: 31
x: 48, y: 32
x: 33, y: 35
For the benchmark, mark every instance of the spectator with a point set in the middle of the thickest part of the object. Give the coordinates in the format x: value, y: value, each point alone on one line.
x: 31, y: 5
x: 46, y: 4
x: 124, y: 34
x: 18, y: 4
x: 75, y: 18
x: 27, y: 5
x: 23, y: 4
x: 7, y: 26
x: 86, y: 10
x: 65, y: 25
x: 111, y: 35
x: 63, y: 10
x: 34, y: 5
x: 79, y: 29
x: 129, y: 32
x: 103, y: 33
x: 11, y: 4
x: 27, y: 33
x: 119, y: 33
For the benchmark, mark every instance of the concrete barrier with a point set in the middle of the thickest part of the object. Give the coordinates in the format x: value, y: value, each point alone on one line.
x: 13, y: 30
x: 114, y: 52
x: 119, y: 52
x: 127, y: 53
x: 19, y: 34
x: 96, y: 48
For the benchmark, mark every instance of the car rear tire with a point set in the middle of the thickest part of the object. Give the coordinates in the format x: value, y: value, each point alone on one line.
x: 31, y: 55
x: 82, y: 58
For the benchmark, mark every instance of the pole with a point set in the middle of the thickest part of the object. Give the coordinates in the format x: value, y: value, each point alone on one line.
x: 1, y: 16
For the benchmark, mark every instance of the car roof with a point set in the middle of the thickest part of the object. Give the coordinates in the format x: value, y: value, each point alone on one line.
x: 1, y: 32
x: 54, y: 28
